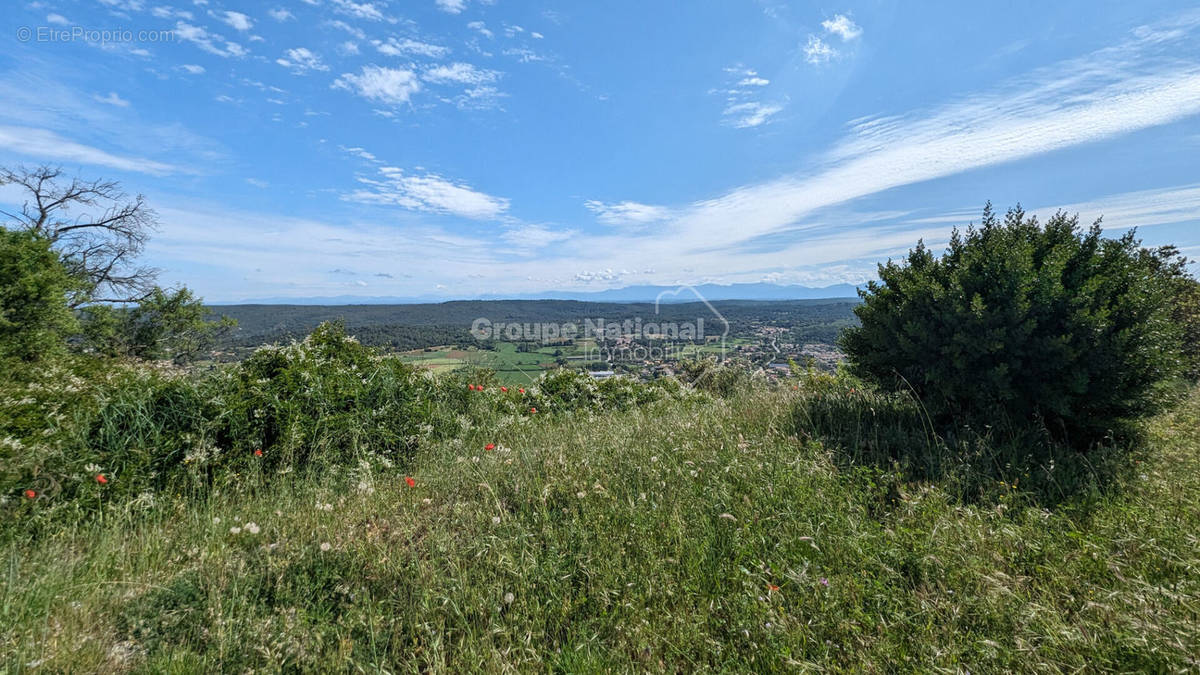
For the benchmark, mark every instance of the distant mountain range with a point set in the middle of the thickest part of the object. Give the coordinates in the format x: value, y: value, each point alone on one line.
x: 666, y: 294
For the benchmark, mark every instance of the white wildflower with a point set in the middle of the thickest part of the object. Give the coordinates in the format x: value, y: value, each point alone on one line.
x: 325, y: 546
x: 252, y: 528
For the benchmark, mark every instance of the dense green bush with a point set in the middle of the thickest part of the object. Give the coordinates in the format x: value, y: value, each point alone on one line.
x: 34, y: 317
x: 1021, y: 323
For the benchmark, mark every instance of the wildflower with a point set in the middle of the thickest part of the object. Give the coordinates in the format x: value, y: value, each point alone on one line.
x: 824, y: 581
x: 101, y: 479
x: 490, y: 446
x: 772, y: 587
x: 30, y: 494
x: 471, y: 387
x: 216, y: 520
x: 533, y: 410
x: 235, y: 530
x: 252, y: 528
x: 508, y: 598
x: 427, y: 501
x: 581, y: 494
x: 504, y: 389
x: 325, y: 546
x: 495, y: 520
x: 258, y: 452
x: 520, y: 391
x: 410, y: 481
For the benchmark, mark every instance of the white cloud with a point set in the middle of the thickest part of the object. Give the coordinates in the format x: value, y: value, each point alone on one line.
x: 408, y: 46
x: 386, y: 85
x: 481, y: 28
x: 209, y: 42
x: 627, y: 212
x: 170, y: 12
x: 536, y: 35
x: 301, y: 60
x: 352, y: 30
x: 452, y: 6
x: 1143, y: 208
x: 43, y: 145
x: 280, y: 14
x: 360, y: 10
x: 524, y: 55
x: 360, y: 153
x: 606, y: 274
x: 817, y: 51
x: 462, y: 73
x: 479, y: 98
x: 428, y: 192
x: 743, y: 109
x: 841, y: 26
x: 238, y: 21
x: 529, y: 237
x: 57, y: 20
x: 192, y: 69
x: 112, y: 99
x: 348, y: 48
x: 258, y: 183
x: 750, y: 114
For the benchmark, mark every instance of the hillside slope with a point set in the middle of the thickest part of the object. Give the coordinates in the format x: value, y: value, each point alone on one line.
x: 689, y: 535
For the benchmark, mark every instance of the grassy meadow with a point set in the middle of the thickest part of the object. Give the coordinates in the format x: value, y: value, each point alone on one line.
x: 763, y: 531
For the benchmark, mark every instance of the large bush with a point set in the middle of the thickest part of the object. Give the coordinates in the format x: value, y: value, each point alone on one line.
x: 1021, y: 322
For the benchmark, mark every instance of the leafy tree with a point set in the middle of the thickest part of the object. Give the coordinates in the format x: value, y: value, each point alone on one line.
x: 34, y: 285
x: 165, y: 325
x: 1020, y: 322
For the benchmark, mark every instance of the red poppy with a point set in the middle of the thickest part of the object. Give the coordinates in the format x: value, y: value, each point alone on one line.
x: 30, y: 494
x: 504, y: 389
x: 520, y: 391
x: 258, y: 453
x: 101, y: 479
x: 772, y: 587
x: 410, y: 481
x: 533, y: 410
x: 471, y: 387
x: 490, y: 446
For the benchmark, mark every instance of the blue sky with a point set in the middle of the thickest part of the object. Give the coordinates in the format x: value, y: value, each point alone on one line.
x: 448, y: 148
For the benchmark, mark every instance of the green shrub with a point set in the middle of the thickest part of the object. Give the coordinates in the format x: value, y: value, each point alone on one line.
x: 1021, y: 323
x: 34, y: 316
x: 326, y: 400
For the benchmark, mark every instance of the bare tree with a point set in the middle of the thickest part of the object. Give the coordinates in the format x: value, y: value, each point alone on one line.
x: 98, y: 229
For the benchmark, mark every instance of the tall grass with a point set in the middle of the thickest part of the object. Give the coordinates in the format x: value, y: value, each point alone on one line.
x: 761, y: 532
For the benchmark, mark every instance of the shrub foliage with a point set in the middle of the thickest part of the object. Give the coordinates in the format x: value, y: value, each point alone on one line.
x: 1022, y: 322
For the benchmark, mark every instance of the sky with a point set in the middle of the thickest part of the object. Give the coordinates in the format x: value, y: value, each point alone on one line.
x: 452, y: 148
